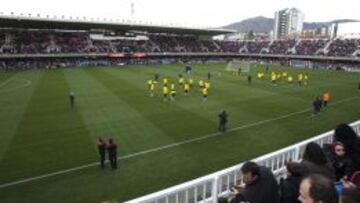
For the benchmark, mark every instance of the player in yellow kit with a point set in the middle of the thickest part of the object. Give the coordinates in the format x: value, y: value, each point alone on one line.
x: 201, y: 84
x: 300, y: 79
x: 186, y: 88
x: 165, y: 91
x: 306, y: 77
x: 149, y: 82
x: 273, y: 79
x: 172, y: 92
x: 207, y: 85
x: 204, y: 92
x: 181, y: 81
x: 191, y: 82
x: 165, y: 81
x: 152, y: 89
x: 290, y: 79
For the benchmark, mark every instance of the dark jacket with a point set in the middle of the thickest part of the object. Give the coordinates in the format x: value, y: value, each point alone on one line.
x: 289, y: 189
x: 102, y: 148
x: 353, y: 151
x: 342, y: 165
x: 112, y: 150
x: 223, y: 117
x: 326, y: 169
x: 265, y: 189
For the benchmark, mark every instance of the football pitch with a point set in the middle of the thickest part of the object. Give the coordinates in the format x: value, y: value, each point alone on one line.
x: 48, y: 151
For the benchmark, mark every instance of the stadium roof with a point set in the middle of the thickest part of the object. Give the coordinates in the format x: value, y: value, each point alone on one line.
x: 13, y: 21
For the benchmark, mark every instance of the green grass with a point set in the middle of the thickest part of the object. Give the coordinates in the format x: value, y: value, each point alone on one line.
x: 40, y: 134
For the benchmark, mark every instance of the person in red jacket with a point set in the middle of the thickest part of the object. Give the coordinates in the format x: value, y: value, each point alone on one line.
x: 101, y: 144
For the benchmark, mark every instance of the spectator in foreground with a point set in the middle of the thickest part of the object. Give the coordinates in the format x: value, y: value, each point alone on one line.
x: 260, y: 185
x: 289, y: 187
x: 315, y: 160
x: 317, y: 189
x: 340, y: 161
x: 346, y: 135
x: 350, y: 195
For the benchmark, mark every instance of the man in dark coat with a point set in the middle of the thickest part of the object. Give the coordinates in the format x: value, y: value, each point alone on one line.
x: 112, y: 150
x: 260, y: 185
x: 317, y: 103
x: 223, y: 119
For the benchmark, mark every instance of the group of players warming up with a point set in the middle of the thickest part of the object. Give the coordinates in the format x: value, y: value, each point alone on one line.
x: 168, y: 88
x: 284, y: 77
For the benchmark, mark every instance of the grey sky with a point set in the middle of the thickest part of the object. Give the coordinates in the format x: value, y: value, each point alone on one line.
x: 199, y: 13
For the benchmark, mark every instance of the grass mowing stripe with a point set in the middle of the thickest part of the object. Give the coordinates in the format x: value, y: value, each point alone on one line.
x: 13, y: 105
x: 107, y: 115
x: 160, y: 116
x: 47, y: 119
x: 168, y: 146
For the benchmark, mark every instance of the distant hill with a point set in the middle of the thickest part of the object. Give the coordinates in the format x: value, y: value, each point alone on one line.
x: 262, y: 24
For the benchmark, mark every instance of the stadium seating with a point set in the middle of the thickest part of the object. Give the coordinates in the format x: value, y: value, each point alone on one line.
x: 343, y: 47
x: 310, y: 47
x: 49, y: 42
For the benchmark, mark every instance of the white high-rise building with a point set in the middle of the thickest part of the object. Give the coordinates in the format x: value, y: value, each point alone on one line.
x: 288, y: 23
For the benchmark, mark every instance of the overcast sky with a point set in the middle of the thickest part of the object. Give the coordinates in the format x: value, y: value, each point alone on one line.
x: 200, y: 13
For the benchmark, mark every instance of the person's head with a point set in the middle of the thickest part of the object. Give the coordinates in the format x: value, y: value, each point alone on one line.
x: 250, y: 172
x: 317, y: 189
x: 100, y: 140
x: 345, y: 134
x: 313, y: 153
x: 296, y: 169
x: 339, y: 149
x: 350, y: 195
x: 111, y: 141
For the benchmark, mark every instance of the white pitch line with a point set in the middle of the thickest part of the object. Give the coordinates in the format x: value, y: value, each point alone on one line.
x: 26, y: 84
x: 165, y: 146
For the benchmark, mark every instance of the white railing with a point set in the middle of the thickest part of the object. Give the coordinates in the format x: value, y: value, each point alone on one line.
x: 210, y: 187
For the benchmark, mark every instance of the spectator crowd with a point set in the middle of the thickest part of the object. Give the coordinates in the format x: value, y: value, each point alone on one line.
x: 325, y: 174
x: 53, y: 42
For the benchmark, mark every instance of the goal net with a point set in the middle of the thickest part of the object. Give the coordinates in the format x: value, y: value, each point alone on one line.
x: 238, y: 66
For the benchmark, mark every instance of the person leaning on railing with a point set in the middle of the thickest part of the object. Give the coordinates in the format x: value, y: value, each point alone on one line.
x: 260, y: 186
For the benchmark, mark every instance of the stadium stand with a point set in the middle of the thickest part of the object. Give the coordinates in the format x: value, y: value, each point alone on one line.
x: 310, y: 47
x: 38, y: 42
x: 41, y: 42
x: 343, y: 47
